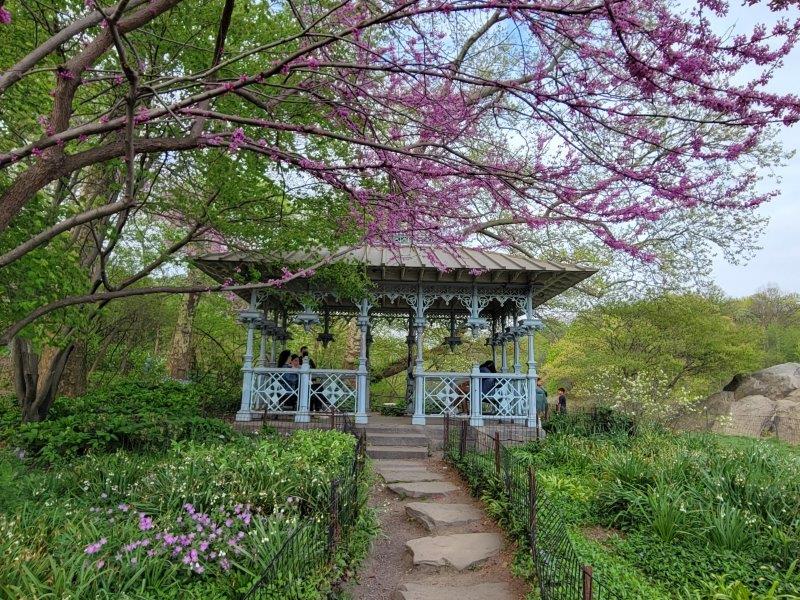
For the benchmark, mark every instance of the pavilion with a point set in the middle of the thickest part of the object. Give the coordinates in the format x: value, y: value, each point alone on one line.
x: 487, y: 291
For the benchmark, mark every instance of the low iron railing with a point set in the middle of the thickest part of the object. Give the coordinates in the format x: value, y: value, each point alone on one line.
x: 313, y: 543
x: 491, y: 467
x: 482, y: 396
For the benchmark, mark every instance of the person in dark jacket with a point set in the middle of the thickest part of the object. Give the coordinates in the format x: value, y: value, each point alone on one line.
x: 304, y: 354
x: 487, y: 383
x: 562, y: 401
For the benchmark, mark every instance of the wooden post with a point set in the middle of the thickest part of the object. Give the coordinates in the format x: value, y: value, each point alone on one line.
x: 497, y: 453
x: 587, y: 582
x: 462, y: 448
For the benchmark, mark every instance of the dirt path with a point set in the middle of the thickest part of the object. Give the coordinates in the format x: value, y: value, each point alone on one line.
x: 389, y: 564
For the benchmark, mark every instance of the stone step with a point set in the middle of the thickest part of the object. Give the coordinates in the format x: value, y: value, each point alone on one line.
x: 397, y: 439
x: 459, y: 550
x: 423, y: 489
x: 482, y: 591
x: 396, y: 464
x: 436, y: 516
x: 408, y: 475
x: 397, y: 452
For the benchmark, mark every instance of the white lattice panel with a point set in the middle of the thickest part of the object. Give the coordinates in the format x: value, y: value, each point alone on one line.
x: 274, y: 392
x: 445, y: 395
x: 335, y: 389
x: 507, y: 397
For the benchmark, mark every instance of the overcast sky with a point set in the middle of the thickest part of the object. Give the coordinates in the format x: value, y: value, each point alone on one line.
x: 778, y: 261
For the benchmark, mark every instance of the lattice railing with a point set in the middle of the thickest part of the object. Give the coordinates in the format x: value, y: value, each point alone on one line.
x: 334, y: 388
x: 446, y: 393
x: 278, y: 390
x: 504, y: 395
x: 275, y: 390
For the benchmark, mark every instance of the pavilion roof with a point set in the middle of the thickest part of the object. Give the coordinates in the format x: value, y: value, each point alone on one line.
x: 451, y: 265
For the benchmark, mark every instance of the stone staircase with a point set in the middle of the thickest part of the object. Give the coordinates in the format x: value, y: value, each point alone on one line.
x: 392, y: 442
x: 444, y: 562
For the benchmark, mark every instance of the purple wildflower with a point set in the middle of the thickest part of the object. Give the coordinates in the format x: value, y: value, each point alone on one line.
x: 5, y: 16
x: 95, y: 547
x: 145, y: 522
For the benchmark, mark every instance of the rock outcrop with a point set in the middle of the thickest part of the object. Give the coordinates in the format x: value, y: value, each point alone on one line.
x: 765, y: 402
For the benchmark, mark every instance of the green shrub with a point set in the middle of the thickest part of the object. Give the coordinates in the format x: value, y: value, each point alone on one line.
x: 391, y: 409
x: 128, y: 415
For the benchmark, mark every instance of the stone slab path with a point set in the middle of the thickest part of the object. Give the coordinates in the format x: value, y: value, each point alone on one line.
x: 436, y: 542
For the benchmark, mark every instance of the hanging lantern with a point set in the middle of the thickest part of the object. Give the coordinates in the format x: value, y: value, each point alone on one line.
x: 326, y: 337
x: 411, y: 338
x: 307, y: 318
x: 454, y: 340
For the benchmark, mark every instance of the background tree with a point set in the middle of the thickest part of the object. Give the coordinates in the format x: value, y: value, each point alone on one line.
x: 688, y: 341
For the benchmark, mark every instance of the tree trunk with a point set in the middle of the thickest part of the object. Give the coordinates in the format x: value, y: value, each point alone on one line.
x: 351, y: 350
x: 180, y: 361
x: 73, y: 382
x: 36, y: 378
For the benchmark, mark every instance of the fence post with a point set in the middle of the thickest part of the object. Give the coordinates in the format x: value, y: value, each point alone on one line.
x: 446, y: 434
x: 587, y: 582
x: 462, y: 446
x: 333, y: 526
x: 532, y: 508
x: 497, y: 453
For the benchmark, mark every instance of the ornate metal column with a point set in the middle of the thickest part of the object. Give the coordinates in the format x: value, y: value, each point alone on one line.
x: 262, y: 350
x: 531, y: 324
x: 251, y: 318
x: 419, y: 363
x: 362, y: 376
x: 516, y: 332
x: 503, y: 339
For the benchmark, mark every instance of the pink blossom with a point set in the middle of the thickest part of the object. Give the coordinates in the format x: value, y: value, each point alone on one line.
x: 5, y: 16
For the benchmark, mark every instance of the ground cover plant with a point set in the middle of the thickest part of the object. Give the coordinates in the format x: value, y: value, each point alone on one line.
x: 199, y: 520
x: 686, y: 515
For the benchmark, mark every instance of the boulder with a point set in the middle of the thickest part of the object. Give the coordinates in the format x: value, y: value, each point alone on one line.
x: 750, y: 416
x: 787, y: 419
x: 774, y: 382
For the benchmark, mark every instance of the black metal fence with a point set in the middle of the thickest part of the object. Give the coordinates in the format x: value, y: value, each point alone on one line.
x: 310, y: 547
x: 491, y: 467
x: 284, y: 423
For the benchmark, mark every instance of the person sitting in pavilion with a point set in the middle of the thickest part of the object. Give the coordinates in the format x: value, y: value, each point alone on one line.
x: 287, y: 360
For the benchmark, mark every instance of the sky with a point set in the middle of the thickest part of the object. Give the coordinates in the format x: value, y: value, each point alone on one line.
x: 778, y: 262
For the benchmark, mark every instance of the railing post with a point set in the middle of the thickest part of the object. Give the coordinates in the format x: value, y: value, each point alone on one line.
x: 475, y: 403
x: 497, y: 453
x: 303, y: 393
x: 587, y: 582
x: 333, y: 417
x: 462, y: 445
